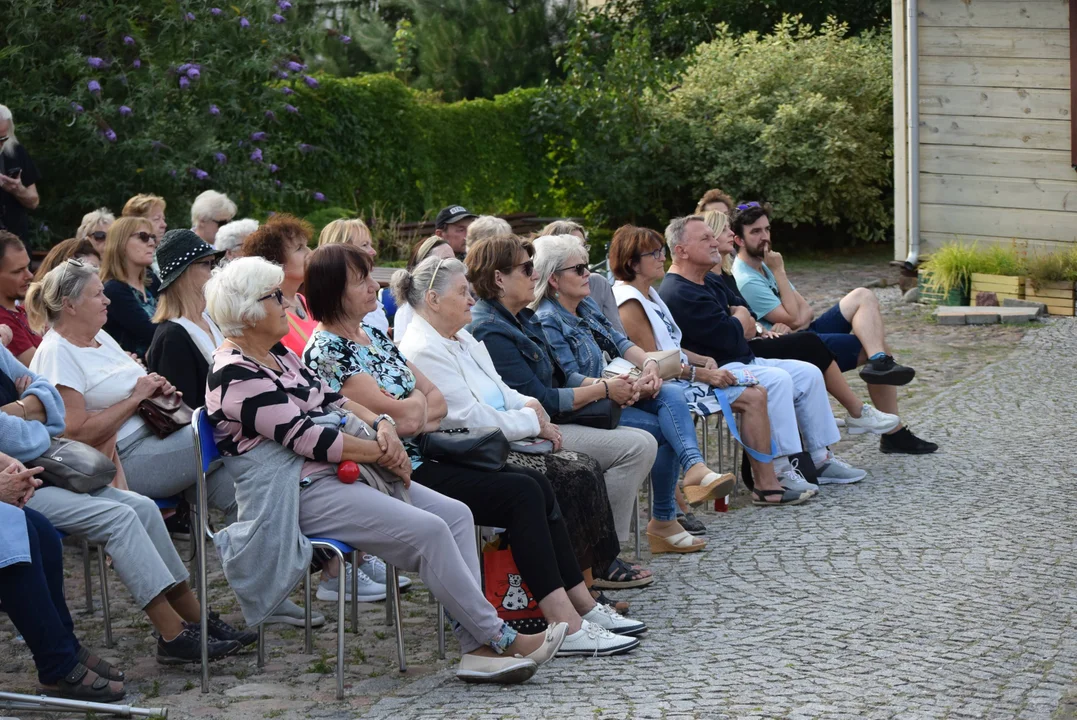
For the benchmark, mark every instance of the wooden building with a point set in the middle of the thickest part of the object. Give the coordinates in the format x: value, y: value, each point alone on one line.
x: 995, y: 117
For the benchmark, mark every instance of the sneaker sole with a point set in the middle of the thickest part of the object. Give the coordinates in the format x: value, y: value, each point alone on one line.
x: 294, y: 622
x: 890, y: 378
x: 896, y: 451
x: 636, y: 632
x: 838, y: 481
x: 505, y: 677
x: 853, y: 430
x: 333, y: 595
x: 608, y: 652
x: 169, y: 660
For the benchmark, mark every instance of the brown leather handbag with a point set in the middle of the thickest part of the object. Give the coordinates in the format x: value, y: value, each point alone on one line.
x: 165, y: 414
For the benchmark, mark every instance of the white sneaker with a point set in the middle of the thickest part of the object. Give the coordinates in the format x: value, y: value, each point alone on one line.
x: 614, y: 621
x: 838, y: 472
x: 792, y: 479
x: 595, y: 641
x: 288, y: 613
x: 374, y: 567
x: 369, y: 591
x: 871, y: 421
x: 840, y: 422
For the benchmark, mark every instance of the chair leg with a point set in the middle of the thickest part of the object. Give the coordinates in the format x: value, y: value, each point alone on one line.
x: 308, y: 643
x: 261, y: 645
x: 721, y: 443
x: 635, y: 520
x: 441, y: 631
x: 102, y: 568
x: 340, y: 622
x: 390, y: 609
x: 706, y: 439
x: 87, y: 575
x: 394, y: 587
x: 355, y: 591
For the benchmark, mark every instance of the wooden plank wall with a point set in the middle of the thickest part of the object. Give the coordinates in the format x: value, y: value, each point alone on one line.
x: 995, y: 122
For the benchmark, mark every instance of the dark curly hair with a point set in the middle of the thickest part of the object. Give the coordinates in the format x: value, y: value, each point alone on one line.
x: 277, y: 237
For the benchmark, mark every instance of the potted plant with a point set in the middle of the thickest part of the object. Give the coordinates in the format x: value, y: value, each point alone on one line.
x: 1051, y: 279
x: 944, y: 277
x: 999, y: 270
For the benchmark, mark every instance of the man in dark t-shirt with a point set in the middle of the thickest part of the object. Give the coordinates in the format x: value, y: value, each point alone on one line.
x: 18, y: 179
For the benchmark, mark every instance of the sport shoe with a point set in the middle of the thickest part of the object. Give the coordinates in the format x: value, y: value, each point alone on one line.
x: 369, y: 591
x: 187, y: 647
x: 220, y: 630
x: 871, y: 421
x: 613, y: 621
x: 885, y: 371
x: 835, y: 471
x: 903, y: 441
x: 596, y: 641
x: 374, y: 567
x: 792, y: 479
x: 288, y: 613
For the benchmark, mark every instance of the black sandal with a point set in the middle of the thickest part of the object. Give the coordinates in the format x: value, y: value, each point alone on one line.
x: 101, y: 667
x: 72, y: 687
x: 622, y: 575
x: 788, y: 497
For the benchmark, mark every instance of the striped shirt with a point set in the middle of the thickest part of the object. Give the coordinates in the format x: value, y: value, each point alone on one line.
x: 248, y: 402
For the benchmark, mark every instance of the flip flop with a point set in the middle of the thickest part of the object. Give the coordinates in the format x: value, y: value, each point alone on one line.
x: 713, y: 486
x: 622, y: 575
x: 682, y: 542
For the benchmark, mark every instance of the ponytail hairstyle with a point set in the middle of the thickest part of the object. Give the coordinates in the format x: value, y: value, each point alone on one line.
x: 431, y: 275
x: 45, y: 299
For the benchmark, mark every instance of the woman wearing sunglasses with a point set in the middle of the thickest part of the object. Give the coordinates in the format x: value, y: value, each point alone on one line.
x: 584, y: 343
x: 130, y: 288
x: 94, y: 227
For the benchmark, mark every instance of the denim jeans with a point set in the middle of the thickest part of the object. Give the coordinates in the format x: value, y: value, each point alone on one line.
x: 668, y: 419
x: 33, y: 597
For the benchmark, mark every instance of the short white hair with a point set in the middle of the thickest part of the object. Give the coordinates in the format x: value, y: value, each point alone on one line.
x: 675, y: 230
x: 12, y: 141
x: 92, y: 219
x: 486, y: 226
x: 211, y: 205
x: 551, y: 253
x: 233, y: 290
x: 234, y: 233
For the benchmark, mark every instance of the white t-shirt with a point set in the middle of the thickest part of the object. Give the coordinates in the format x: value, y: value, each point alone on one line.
x: 376, y: 318
x: 104, y: 375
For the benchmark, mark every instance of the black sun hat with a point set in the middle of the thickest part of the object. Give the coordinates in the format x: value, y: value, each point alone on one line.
x: 178, y: 249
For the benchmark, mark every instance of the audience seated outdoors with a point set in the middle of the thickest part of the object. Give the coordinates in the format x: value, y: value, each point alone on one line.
x: 231, y: 237
x: 486, y: 226
x: 502, y: 275
x: 432, y: 246
x: 518, y: 498
x: 129, y: 286
x: 284, y: 240
x: 211, y: 211
x: 32, y: 591
x: 582, y: 338
x: 82, y: 250
x: 15, y: 277
x: 451, y: 224
x: 853, y: 329
x: 282, y: 431
x: 150, y: 207
x: 354, y: 231
x: 94, y: 227
x: 710, y: 327
x: 601, y: 293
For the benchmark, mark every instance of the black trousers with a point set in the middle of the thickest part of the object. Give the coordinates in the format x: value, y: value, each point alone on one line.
x: 806, y: 346
x: 520, y: 500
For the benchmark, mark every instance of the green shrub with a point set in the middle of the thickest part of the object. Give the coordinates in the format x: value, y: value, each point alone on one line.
x: 999, y: 260
x: 951, y: 265
x: 1052, y: 267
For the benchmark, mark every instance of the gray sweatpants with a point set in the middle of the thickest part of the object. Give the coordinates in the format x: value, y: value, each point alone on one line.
x: 625, y: 454
x: 130, y: 527
x: 162, y: 467
x: 435, y: 535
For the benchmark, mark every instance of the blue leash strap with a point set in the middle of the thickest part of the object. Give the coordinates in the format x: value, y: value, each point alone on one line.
x: 731, y: 421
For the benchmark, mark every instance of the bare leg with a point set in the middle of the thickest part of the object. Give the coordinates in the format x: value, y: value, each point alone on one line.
x: 678, y: 495
x: 557, y: 607
x: 184, y: 602
x: 164, y: 618
x: 839, y: 389
x: 755, y: 430
x: 861, y: 309
x: 883, y: 397
x: 581, y: 599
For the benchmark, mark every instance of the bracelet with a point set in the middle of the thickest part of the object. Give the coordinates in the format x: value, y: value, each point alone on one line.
x: 651, y: 359
x: 692, y: 377
x: 606, y: 385
x: 22, y: 406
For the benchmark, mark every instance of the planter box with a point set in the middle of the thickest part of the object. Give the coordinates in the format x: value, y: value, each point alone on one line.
x: 1057, y: 296
x: 1004, y: 286
x: 933, y: 295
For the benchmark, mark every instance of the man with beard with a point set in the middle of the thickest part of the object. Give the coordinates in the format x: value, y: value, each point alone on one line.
x: 15, y: 277
x: 852, y: 329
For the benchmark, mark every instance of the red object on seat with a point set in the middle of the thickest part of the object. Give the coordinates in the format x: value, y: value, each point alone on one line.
x: 348, y: 472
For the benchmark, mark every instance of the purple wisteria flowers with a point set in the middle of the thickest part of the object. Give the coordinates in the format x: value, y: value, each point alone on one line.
x: 94, y: 87
x: 258, y: 136
x: 256, y: 156
x: 220, y: 157
x: 214, y: 110
x: 244, y: 22
x: 319, y: 197
x: 126, y: 111
x: 95, y: 62
x: 311, y: 82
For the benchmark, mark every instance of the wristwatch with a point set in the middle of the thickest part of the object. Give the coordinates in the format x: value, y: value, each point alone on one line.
x: 759, y: 328
x: 387, y: 418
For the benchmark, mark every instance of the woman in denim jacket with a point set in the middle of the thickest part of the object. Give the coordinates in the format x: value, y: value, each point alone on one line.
x: 502, y: 276
x: 583, y: 342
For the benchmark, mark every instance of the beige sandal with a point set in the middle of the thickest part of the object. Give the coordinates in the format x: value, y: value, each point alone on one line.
x: 682, y: 542
x: 712, y: 487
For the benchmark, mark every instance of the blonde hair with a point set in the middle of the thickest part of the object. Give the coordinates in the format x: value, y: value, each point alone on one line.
x: 563, y: 227
x: 142, y: 205
x: 114, y: 261
x: 91, y: 220
x: 180, y: 299
x: 347, y: 231
x: 45, y: 299
x: 718, y: 221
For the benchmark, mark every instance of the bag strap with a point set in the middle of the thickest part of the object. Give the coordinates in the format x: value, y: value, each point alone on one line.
x: 730, y: 419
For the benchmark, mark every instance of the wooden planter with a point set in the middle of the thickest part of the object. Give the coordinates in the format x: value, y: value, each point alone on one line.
x: 1057, y: 296
x: 1004, y: 286
x: 933, y: 295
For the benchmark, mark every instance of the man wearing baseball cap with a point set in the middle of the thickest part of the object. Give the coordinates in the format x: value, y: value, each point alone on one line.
x: 451, y: 224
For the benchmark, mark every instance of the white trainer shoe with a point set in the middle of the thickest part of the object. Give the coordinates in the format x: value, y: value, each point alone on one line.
x: 614, y: 621
x: 793, y: 480
x: 836, y: 471
x: 596, y: 641
x: 374, y: 567
x: 369, y: 591
x: 871, y: 421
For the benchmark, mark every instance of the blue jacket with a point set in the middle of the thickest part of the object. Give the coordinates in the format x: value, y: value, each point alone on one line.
x: 573, y: 336
x: 522, y: 355
x: 25, y: 440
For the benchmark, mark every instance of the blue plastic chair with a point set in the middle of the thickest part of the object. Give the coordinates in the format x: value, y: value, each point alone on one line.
x: 388, y: 302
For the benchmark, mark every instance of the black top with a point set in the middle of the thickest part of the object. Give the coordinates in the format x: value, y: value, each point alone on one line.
x: 129, y: 315
x: 174, y: 355
x: 702, y: 312
x: 12, y: 213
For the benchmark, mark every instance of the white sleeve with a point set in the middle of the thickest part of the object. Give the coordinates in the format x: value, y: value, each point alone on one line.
x: 56, y: 362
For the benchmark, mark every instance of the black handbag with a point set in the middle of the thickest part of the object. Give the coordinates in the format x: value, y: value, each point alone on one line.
x: 74, y: 466
x: 481, y: 448
x: 602, y: 414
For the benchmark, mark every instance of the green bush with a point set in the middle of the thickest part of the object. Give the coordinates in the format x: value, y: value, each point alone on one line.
x: 800, y: 118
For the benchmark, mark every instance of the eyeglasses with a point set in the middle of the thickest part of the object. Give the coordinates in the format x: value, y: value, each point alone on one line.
x: 580, y: 269
x: 528, y: 266
x: 278, y: 294
x: 659, y: 254
x: 222, y: 223
x: 145, y: 236
x: 745, y: 206
x: 210, y: 262
x: 99, y: 235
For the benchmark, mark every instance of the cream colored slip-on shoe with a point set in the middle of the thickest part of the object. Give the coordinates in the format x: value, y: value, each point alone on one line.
x: 504, y: 669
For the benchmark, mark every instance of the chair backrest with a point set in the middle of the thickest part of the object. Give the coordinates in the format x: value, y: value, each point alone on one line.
x: 204, y: 444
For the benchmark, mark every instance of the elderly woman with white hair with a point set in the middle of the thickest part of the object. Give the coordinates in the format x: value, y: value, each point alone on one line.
x: 94, y: 227
x: 18, y: 178
x: 601, y: 290
x: 211, y: 211
x: 584, y: 342
x: 432, y: 246
x: 230, y: 238
x: 284, y: 432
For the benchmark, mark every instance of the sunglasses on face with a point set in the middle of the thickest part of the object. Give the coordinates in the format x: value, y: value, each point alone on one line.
x: 278, y: 294
x: 99, y: 235
x: 528, y: 266
x: 145, y: 237
x: 580, y: 269
x: 745, y: 206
